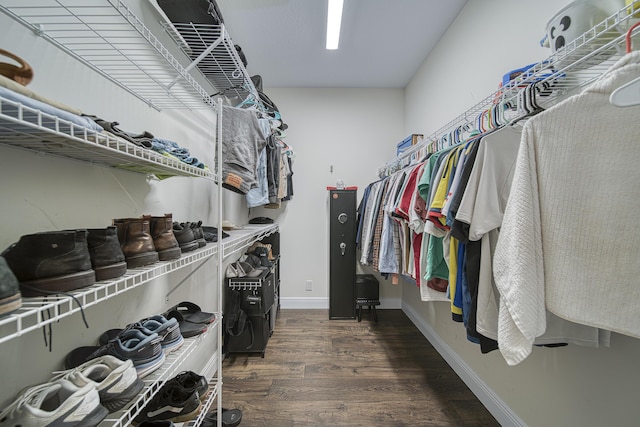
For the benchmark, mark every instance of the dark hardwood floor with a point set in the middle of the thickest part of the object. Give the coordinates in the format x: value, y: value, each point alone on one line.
x: 321, y: 372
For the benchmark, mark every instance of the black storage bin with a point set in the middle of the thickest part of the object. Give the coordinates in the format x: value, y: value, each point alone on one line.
x: 367, y: 287
x: 367, y: 294
x: 262, y: 286
x: 253, y: 338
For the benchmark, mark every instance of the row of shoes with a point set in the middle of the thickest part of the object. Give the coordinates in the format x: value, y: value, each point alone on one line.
x: 51, y: 262
x: 147, y: 341
x: 86, y: 394
x: 98, y: 380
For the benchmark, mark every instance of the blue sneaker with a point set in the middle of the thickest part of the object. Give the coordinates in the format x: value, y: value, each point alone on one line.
x: 144, y: 351
x: 167, y: 329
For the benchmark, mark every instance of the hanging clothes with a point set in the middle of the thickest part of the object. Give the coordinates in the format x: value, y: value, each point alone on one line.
x: 242, y: 142
x: 564, y: 244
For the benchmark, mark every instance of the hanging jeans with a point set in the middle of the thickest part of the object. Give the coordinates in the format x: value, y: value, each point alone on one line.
x: 242, y: 141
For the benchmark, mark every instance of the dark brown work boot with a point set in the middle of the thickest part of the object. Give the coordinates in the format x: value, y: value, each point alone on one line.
x: 136, y: 242
x: 163, y: 238
x: 49, y: 262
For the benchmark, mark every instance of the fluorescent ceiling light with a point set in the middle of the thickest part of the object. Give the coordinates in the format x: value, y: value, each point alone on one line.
x: 334, y: 20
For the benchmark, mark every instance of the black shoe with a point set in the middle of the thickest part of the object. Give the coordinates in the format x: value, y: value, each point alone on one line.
x: 10, y: 298
x: 190, y: 382
x: 106, y: 255
x: 171, y: 403
x: 50, y: 262
x: 198, y: 232
x: 184, y: 236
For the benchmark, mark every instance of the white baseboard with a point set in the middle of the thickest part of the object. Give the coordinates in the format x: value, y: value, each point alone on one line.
x: 312, y: 303
x: 498, y: 408
x: 322, y: 303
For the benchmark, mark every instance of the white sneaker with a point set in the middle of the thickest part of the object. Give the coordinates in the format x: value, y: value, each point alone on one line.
x: 56, y: 403
x: 116, y: 380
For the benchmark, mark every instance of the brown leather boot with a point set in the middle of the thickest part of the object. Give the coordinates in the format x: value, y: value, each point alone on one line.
x: 163, y: 238
x: 136, y: 242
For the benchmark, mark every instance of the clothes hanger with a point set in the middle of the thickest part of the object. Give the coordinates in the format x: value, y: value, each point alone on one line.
x: 628, y: 94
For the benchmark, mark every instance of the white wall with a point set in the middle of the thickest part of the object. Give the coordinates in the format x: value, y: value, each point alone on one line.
x: 353, y: 130
x: 572, y: 386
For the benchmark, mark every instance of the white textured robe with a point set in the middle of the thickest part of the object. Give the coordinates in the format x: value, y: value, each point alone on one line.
x: 570, y: 239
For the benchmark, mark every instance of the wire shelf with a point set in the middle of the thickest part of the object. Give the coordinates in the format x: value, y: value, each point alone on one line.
x: 563, y: 73
x: 245, y: 237
x: 206, y: 404
x: 37, y: 312
x: 28, y: 128
x: 106, y: 36
x: 174, y: 364
x: 215, y: 55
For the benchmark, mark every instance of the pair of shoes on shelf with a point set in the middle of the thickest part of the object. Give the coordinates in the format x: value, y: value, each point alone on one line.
x: 242, y: 269
x: 60, y: 261
x: 116, y: 380
x: 211, y: 233
x: 190, y: 235
x: 167, y: 329
x: 145, y: 351
x: 147, y: 239
x: 60, y: 402
x: 191, y: 319
x: 178, y: 400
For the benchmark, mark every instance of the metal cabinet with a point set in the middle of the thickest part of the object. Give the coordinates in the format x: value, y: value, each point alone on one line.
x: 342, y: 253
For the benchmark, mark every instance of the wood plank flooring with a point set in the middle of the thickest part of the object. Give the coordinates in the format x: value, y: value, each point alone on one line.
x: 321, y: 372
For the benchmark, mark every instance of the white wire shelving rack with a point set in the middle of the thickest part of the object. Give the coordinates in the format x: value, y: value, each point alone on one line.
x: 173, y: 364
x: 563, y: 73
x: 29, y: 128
x: 246, y: 236
x: 214, y: 54
x: 106, y: 36
x: 37, y: 312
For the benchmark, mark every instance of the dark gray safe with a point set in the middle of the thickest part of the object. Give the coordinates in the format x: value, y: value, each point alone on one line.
x: 342, y: 254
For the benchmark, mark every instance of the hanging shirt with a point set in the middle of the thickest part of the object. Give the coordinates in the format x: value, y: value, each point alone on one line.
x: 558, y: 248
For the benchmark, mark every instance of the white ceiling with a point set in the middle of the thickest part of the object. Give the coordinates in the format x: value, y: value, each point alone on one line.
x: 382, y: 42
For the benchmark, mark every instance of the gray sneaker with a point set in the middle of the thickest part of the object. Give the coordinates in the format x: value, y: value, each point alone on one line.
x: 10, y: 298
x: 56, y: 403
x: 116, y: 380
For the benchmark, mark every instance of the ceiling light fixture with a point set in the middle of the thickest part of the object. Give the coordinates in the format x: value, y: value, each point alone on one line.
x: 334, y: 20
